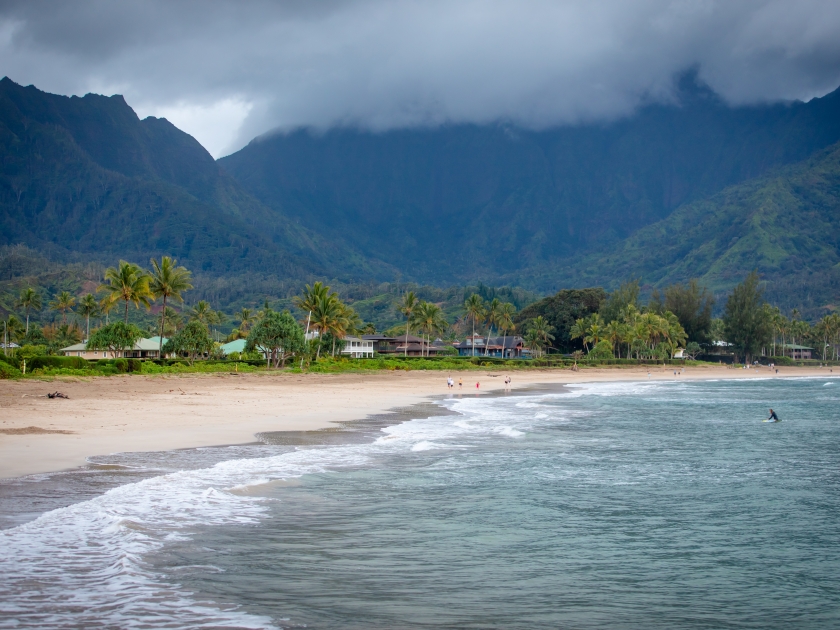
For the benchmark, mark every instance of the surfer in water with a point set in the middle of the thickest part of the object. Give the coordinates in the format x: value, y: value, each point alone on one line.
x: 773, y: 417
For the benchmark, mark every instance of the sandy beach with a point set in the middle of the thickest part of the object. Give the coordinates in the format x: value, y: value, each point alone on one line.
x: 144, y: 413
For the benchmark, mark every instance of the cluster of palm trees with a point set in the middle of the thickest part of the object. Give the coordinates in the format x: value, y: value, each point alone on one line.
x: 494, y: 313
x: 426, y: 316
x: 643, y: 335
x: 327, y: 314
x: 128, y: 283
x: 825, y: 335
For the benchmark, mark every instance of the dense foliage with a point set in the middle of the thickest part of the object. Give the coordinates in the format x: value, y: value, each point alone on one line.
x: 192, y: 340
x: 561, y: 311
x: 279, y: 336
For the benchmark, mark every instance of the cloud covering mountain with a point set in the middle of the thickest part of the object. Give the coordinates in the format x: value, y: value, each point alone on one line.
x: 227, y: 72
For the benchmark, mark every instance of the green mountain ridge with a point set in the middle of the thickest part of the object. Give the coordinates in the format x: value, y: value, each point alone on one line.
x: 783, y: 224
x: 85, y: 176
x: 690, y: 189
x: 466, y: 202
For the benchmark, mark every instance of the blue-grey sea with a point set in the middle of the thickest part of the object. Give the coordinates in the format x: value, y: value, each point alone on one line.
x: 657, y: 504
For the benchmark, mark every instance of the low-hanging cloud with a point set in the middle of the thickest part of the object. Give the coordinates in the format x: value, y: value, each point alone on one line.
x: 228, y: 71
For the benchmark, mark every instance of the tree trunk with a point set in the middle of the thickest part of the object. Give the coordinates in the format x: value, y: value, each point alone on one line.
x: 27, y: 321
x: 162, y: 323
x: 472, y: 342
x: 126, y: 311
x: 407, y: 320
x: 87, y: 333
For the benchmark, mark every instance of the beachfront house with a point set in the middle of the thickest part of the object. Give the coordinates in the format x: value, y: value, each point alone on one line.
x: 510, y: 347
x: 402, y: 345
x: 143, y: 349
x: 357, y: 348
x: 797, y: 352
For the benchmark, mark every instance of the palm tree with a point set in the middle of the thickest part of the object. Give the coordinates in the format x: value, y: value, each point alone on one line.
x: 63, y: 302
x: 325, y: 314
x: 409, y: 303
x: 492, y: 315
x: 246, y: 318
x: 430, y: 319
x: 614, y: 332
x: 504, y: 320
x: 578, y: 331
x: 88, y: 308
x: 129, y: 283
x: 309, y: 300
x: 533, y: 341
x: 106, y: 305
x: 542, y: 329
x: 168, y: 281
x: 202, y: 312
x: 29, y: 299
x: 474, y: 309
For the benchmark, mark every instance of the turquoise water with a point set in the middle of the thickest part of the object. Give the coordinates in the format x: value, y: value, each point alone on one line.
x: 645, y: 505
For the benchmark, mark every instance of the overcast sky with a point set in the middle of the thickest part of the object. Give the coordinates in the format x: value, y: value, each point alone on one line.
x: 228, y: 71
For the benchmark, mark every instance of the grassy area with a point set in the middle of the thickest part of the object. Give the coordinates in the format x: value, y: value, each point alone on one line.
x: 329, y: 365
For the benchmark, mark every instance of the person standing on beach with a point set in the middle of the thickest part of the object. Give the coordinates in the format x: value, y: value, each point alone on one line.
x: 460, y: 383
x: 477, y: 385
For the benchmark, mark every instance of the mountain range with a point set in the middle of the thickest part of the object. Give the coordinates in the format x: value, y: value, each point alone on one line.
x: 689, y: 188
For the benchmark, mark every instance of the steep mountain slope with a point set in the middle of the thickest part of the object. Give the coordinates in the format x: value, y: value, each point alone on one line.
x: 85, y: 175
x: 786, y: 225
x: 478, y: 202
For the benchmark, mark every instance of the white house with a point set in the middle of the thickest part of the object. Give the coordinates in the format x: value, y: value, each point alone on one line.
x: 358, y: 348
x: 143, y: 349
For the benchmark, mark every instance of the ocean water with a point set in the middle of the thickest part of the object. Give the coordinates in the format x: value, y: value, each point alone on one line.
x: 665, y: 504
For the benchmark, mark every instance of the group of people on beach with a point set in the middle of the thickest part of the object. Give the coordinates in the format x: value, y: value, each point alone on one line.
x: 450, y: 383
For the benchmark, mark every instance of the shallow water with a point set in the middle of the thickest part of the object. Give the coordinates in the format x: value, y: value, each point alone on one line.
x: 655, y: 504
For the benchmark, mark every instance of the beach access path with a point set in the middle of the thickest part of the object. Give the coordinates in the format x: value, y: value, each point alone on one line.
x: 105, y: 415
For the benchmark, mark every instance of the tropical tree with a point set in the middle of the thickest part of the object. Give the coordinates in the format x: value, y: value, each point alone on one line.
x: 504, y: 321
x: 492, y: 317
x: 63, y: 302
x: 746, y: 323
x: 246, y: 319
x: 542, y: 330
x: 127, y: 282
x: 173, y: 321
x: 279, y: 336
x: 116, y: 337
x: 474, y: 310
x: 12, y: 330
x: 326, y: 314
x: 614, y: 332
x: 29, y: 300
x: 430, y: 319
x: 407, y: 308
x: 193, y: 340
x: 595, y: 330
x: 106, y: 305
x: 578, y: 331
x: 88, y: 308
x: 534, y: 342
x: 168, y: 281
x: 203, y: 313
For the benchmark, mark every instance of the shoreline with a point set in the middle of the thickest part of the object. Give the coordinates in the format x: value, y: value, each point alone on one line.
x: 106, y: 415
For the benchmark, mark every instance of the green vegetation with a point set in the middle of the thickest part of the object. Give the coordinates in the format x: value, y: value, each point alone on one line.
x: 193, y: 340
x: 279, y: 335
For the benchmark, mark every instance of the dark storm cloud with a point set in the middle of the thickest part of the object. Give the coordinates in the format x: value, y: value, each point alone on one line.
x: 383, y: 64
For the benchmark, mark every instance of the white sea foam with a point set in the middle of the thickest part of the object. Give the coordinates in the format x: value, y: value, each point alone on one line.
x: 508, y: 431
